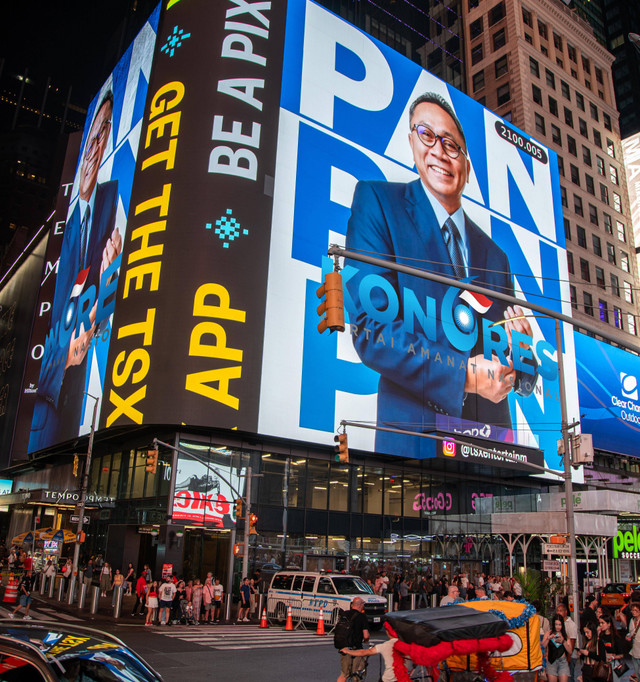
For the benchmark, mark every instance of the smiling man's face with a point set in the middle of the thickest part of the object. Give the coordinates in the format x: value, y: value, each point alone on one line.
x: 443, y: 176
x: 94, y: 150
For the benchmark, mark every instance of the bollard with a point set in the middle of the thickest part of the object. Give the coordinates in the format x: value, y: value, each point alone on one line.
x: 52, y: 584
x: 117, y: 606
x: 42, y: 582
x: 72, y: 589
x: 413, y: 597
x: 262, y: 603
x: 95, y: 599
x: 390, y: 603
x: 83, y: 595
x: 434, y: 600
x: 227, y: 608
x: 61, y: 591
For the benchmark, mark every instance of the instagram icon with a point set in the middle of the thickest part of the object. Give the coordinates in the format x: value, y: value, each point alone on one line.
x: 448, y: 448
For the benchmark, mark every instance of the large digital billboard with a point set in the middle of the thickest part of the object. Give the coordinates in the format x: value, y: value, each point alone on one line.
x: 270, y: 131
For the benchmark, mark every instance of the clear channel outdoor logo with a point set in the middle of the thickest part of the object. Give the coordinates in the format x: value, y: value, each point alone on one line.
x: 629, y: 386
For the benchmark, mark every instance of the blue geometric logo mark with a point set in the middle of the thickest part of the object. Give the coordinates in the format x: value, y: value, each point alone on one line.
x: 227, y: 228
x: 174, y: 41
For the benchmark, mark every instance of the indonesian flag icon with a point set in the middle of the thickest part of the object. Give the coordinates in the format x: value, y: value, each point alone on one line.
x: 478, y: 302
x: 79, y: 283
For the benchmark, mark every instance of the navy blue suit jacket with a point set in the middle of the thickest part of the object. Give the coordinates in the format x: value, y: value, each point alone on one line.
x: 397, y: 219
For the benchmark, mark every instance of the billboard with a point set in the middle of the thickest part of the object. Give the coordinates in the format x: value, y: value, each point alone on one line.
x: 631, y: 152
x: 269, y: 132
x: 608, y: 394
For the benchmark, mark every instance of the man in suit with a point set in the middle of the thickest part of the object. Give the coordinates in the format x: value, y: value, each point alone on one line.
x: 422, y: 223
x: 90, y: 246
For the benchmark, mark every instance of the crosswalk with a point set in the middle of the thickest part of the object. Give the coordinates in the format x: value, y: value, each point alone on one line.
x: 39, y: 613
x: 237, y: 637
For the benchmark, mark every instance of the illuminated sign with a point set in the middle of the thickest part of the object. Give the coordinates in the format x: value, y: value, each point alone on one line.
x: 626, y: 545
x: 5, y: 486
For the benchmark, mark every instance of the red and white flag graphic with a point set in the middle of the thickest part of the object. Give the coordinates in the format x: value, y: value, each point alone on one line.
x: 478, y: 302
x: 79, y: 283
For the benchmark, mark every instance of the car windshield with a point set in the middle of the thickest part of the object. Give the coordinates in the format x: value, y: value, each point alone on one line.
x: 347, y: 585
x: 107, y: 665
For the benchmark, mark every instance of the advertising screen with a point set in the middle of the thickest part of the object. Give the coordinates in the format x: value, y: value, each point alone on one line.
x: 74, y: 353
x: 608, y: 394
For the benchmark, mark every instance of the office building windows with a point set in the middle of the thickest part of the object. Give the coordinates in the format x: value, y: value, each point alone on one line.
x: 567, y: 229
x: 622, y: 236
x: 588, y: 303
x: 568, y: 116
x: 624, y: 261
x: 607, y: 121
x: 611, y: 150
x: 571, y: 146
x: 628, y: 292
x: 584, y: 131
x: 600, y: 165
x: 604, y: 193
x: 570, y: 262
x: 604, y: 311
x: 600, y: 278
x: 613, y: 175
x: 504, y: 94
x: 571, y: 51
x: 478, y: 80
x: 593, y: 213
x: 577, y: 205
x: 580, y: 101
x: 496, y: 13
x: 574, y: 297
x: 615, y: 285
x: 599, y: 77
x: 586, y: 155
x: 617, y: 317
x: 585, y: 273
x: 597, y: 245
x: 476, y: 28
x: 540, y: 127
x: 563, y: 190
x: 476, y: 53
x: 582, y: 236
x: 589, y: 184
x: 556, y: 135
x: 617, y: 202
x: 534, y: 67
x: 560, y: 162
x: 553, y: 106
x: 575, y: 174
x: 594, y: 111
x: 608, y: 224
x: 542, y: 29
x: 611, y: 253
x: 597, y: 138
x: 499, y: 39
x: 501, y: 66
x: 557, y: 41
x: 566, y: 92
x: 551, y: 79
x: 631, y: 324
x: 527, y: 17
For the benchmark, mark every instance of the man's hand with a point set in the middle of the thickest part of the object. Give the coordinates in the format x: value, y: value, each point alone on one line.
x: 522, y: 325
x: 79, y: 347
x: 112, y: 250
x: 489, y: 378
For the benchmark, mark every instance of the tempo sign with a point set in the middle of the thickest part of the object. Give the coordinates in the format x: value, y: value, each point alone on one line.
x: 626, y: 545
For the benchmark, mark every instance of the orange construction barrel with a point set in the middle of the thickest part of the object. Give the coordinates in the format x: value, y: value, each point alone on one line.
x: 11, y: 591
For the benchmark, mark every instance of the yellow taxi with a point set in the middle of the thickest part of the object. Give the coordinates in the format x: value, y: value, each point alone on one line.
x: 613, y: 594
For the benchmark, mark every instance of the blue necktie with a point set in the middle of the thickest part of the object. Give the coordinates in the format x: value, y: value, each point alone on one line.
x: 451, y: 237
x: 84, y: 234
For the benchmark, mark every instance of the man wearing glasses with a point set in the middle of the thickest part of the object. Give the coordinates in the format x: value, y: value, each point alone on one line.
x: 423, y: 224
x: 91, y: 243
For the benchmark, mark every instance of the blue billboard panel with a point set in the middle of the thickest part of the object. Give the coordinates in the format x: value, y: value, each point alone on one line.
x: 608, y: 394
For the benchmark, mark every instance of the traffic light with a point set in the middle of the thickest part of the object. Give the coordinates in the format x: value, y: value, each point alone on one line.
x: 253, y: 519
x: 239, y: 508
x: 333, y: 305
x: 342, y: 449
x: 152, y: 461
x: 238, y: 548
x: 80, y: 537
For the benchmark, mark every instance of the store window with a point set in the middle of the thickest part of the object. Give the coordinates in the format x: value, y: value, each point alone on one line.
x: 317, y: 484
x: 339, y: 487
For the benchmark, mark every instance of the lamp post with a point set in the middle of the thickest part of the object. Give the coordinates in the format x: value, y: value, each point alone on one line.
x: 83, y: 498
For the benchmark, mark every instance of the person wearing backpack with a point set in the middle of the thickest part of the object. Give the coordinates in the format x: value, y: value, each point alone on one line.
x: 385, y: 649
x: 351, y: 631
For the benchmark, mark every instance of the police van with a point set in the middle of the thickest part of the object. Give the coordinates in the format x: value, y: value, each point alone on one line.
x: 308, y: 592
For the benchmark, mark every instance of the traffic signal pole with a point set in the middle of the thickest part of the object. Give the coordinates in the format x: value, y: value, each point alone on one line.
x: 247, y: 521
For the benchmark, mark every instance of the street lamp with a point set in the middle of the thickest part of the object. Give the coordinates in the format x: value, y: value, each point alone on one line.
x: 83, y: 498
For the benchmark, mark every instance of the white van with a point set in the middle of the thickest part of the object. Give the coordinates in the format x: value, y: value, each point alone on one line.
x: 307, y: 592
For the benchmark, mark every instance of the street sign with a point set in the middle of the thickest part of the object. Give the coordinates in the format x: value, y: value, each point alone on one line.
x: 75, y: 518
x: 560, y: 550
x: 550, y: 565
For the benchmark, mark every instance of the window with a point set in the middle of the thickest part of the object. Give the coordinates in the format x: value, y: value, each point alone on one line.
x: 574, y: 74
x: 472, y: 4
x: 617, y: 202
x: 611, y: 150
x: 556, y: 135
x: 611, y: 253
x: 586, y: 155
x: 624, y: 261
x: 594, y: 111
x: 575, y: 174
x: 631, y: 324
x: 501, y: 66
x: 593, y: 214
x: 582, y: 237
x: 584, y: 131
x: 527, y: 17
x: 628, y: 292
x: 571, y: 51
x: 600, y: 278
x: 615, y: 285
x: 597, y: 139
x: 496, y: 13
x: 580, y: 101
x: 585, y: 273
x: 528, y: 38
x: 537, y: 94
x: 589, y: 184
x: 600, y: 165
x: 559, y: 62
x: 476, y: 28
x: 598, y: 73
x: 588, y: 303
x: 570, y: 262
x: 586, y: 64
x: 597, y: 245
x: 607, y: 121
x: 604, y: 311
x: 613, y: 175
x: 560, y: 163
x: 566, y: 92
x: 478, y: 80
x: 574, y: 297
x: 553, y: 106
x: 608, y: 224
x: 504, y: 94
x: 577, y: 205
x: 622, y: 235
x: 476, y: 53
x: 617, y: 317
x: 568, y: 116
x: 557, y: 41
x: 534, y: 67
x: 563, y: 190
x: 542, y: 29
x: 551, y: 79
x: 567, y: 229
x: 571, y: 145
x: 499, y: 39
x: 604, y: 193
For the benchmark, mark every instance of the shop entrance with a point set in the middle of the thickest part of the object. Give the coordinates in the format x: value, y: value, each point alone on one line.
x: 206, y: 550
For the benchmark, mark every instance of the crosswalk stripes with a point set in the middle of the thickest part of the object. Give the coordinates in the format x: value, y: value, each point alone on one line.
x: 40, y: 613
x: 232, y: 637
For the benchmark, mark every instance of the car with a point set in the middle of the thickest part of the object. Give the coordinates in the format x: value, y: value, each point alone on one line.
x: 613, y: 594
x: 43, y: 651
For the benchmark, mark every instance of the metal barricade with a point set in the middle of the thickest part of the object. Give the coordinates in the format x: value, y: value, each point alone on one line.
x: 95, y: 600
x: 117, y: 601
x: 278, y: 606
x: 83, y: 595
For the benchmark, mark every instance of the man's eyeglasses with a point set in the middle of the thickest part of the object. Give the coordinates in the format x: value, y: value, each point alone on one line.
x: 428, y: 138
x: 98, y: 137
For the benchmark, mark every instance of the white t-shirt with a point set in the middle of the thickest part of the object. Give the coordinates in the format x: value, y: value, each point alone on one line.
x: 218, y: 590
x: 572, y: 633
x: 386, y: 651
x: 167, y: 591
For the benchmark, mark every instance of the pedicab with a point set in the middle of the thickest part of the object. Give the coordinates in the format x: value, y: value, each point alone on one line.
x: 492, y: 640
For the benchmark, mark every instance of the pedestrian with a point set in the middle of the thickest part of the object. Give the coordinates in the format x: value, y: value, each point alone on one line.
x: 66, y: 574
x: 118, y: 581
x: 24, y: 592
x: 105, y: 578
x: 385, y: 649
x: 592, y: 651
x: 572, y: 634
x: 359, y: 634
x: 633, y: 638
x: 196, y: 600
x: 218, y: 592
x: 463, y: 585
x: 558, y: 647
x: 165, y: 601
x: 403, y: 591
x: 179, y: 602
x: 254, y: 598
x: 87, y: 574
x: 50, y: 574
x: 423, y: 593
x: 141, y: 593
x: 207, y: 601
x: 129, y: 579
x: 481, y: 593
x: 147, y: 573
x: 151, y: 602
x: 588, y: 615
x: 614, y: 645
x: 245, y: 601
x: 452, y: 596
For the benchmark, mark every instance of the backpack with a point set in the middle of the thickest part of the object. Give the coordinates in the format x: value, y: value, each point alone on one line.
x: 343, y: 631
